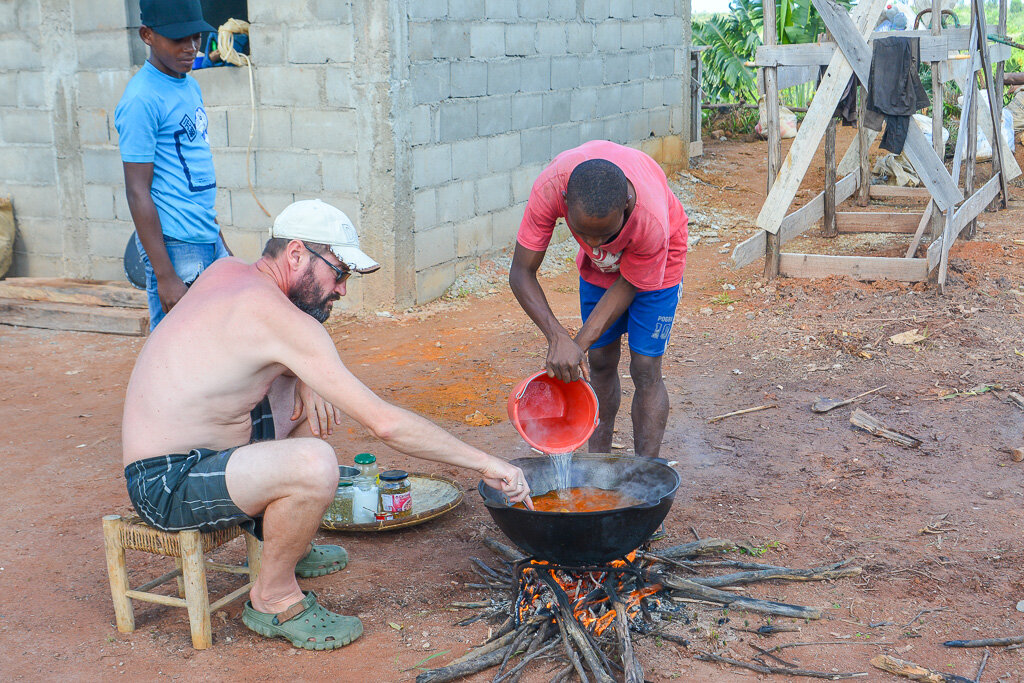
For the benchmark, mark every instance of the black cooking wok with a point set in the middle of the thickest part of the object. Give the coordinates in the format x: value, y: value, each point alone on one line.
x: 587, y: 538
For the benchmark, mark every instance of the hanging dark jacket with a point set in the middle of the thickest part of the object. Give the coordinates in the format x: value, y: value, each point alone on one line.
x: 894, y: 88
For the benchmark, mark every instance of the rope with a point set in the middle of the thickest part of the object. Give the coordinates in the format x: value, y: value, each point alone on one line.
x: 226, y: 49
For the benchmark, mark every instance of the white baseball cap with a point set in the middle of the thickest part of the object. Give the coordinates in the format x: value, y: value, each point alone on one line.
x: 317, y: 221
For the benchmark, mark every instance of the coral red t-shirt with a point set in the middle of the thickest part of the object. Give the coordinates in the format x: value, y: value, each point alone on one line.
x: 650, y: 251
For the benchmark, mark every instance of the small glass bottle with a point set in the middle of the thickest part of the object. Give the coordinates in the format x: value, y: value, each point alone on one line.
x: 340, y: 509
x: 395, y: 494
x: 366, y: 495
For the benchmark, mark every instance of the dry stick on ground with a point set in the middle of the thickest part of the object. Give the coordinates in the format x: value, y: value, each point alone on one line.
x: 981, y: 667
x: 704, y: 546
x: 579, y: 637
x: 689, y: 588
x: 524, y: 634
x: 922, y: 612
x: 741, y: 412
x: 861, y: 419
x: 914, y: 672
x: 783, y: 646
x: 634, y: 672
x: 768, y: 653
x: 513, y: 674
x: 506, y: 551
x: 765, y: 669
x: 541, y: 643
x: 985, y: 642
x: 574, y: 658
x: 825, y: 573
x: 771, y: 629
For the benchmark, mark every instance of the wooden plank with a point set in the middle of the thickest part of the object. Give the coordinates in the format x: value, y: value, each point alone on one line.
x: 851, y: 160
x: 72, y: 292
x: 822, y: 108
x: 772, y: 243
x: 877, y: 221
x: 995, y: 107
x: 863, y: 147
x: 74, y: 317
x: 857, y: 267
x: 898, y: 192
x: 789, y: 76
x: 974, y: 205
x: 802, y: 54
x: 934, y: 49
x: 927, y: 164
x: 829, y: 218
x: 926, y: 218
x: 956, y: 38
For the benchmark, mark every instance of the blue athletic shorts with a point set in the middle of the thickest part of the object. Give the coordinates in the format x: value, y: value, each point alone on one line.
x: 647, y: 321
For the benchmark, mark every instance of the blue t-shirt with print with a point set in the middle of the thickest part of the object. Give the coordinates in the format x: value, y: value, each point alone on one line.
x: 161, y: 120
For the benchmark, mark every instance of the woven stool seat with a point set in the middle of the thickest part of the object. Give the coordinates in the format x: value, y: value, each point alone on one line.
x: 187, y: 548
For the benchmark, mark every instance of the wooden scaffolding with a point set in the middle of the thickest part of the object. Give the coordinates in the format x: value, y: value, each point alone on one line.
x: 950, y: 209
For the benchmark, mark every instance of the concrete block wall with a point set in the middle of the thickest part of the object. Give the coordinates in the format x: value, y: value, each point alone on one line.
x: 498, y: 89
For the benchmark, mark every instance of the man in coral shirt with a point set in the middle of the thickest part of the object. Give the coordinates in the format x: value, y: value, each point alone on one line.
x: 632, y: 234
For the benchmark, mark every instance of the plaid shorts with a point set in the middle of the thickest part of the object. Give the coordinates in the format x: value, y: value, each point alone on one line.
x: 187, y: 490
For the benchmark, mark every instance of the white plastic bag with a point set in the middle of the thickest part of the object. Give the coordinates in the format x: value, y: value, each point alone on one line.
x: 984, y: 145
x: 787, y: 121
x: 925, y: 124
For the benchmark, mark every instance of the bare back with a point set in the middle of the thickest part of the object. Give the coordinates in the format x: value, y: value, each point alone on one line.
x: 207, y: 364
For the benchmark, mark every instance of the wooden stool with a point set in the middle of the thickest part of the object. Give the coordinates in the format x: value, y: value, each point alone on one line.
x: 187, y: 548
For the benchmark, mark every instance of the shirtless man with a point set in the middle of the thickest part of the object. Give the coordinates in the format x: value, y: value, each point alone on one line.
x: 226, y: 395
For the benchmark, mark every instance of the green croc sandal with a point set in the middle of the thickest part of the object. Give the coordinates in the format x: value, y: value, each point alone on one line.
x: 322, y: 560
x: 306, y: 624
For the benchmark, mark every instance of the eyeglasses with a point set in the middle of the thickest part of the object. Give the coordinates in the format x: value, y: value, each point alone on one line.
x: 340, y: 274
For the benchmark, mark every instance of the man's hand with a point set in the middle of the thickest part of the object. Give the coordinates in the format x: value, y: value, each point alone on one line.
x: 318, y: 411
x: 508, y: 479
x: 170, y: 290
x: 566, y: 360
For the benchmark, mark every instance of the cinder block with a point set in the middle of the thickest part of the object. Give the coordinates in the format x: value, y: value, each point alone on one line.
x: 338, y: 86
x: 107, y: 238
x: 29, y: 15
x: 321, y: 44
x: 98, y: 165
x: 106, y: 268
x: 487, y: 40
x: 36, y: 201
x: 267, y: 43
x: 281, y: 12
x: 473, y: 237
x: 434, y: 246
x: 9, y: 17
x: 520, y: 40
x: 673, y: 31
x: 527, y: 111
x: 493, y: 192
x: 494, y: 115
x: 536, y: 145
x: 420, y: 46
x: 283, y: 171
x: 654, y: 94
x: 632, y: 35
x: 579, y: 38
x: 643, y: 8
x: 431, y: 82
x: 533, y: 9
x: 654, y: 34
x: 469, y: 159
x: 632, y: 96
x: 469, y: 79
x: 432, y: 282
x: 565, y: 72
x: 591, y: 71
x: 522, y: 181
x: 99, y: 202
x: 246, y: 213
x: 19, y: 53
x: 431, y: 165
x: 102, y: 49
x: 660, y: 121
x: 505, y: 225
x: 551, y: 38
x: 340, y: 173
x: 535, y: 74
x: 593, y: 129
x: 291, y: 86
x: 96, y: 89
x: 563, y: 138
x: 639, y: 66
x: 676, y: 120
x: 616, y: 68
x: 663, y: 63
x: 639, y: 126
x: 26, y: 126
x: 328, y: 130
x: 556, y: 107
x: 428, y: 10
x: 424, y: 207
x: 229, y: 165
x: 582, y: 104
x: 229, y: 87
x: 273, y: 127
x: 562, y: 9
x: 608, y: 36
x: 451, y: 40
x: 503, y: 76
x: 664, y: 8
x: 503, y: 152
x: 218, y: 127
x: 458, y: 119
x: 221, y: 207
x: 421, y: 125
x: 608, y: 101
x: 672, y: 149
x: 332, y: 10
x: 620, y: 9
x: 467, y: 9
x: 616, y: 129
x: 455, y: 201
x: 596, y: 10
x: 246, y: 244
x: 39, y: 235
x: 501, y: 10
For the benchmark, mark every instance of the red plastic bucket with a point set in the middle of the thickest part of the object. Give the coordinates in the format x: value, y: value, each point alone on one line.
x: 551, y: 415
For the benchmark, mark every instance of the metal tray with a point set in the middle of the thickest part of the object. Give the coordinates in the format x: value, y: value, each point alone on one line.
x: 432, y: 496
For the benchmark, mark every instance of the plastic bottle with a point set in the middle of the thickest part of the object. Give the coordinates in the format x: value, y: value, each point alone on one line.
x: 366, y: 496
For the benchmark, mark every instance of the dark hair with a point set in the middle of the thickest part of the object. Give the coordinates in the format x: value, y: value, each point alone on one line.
x: 275, y: 245
x: 597, y: 187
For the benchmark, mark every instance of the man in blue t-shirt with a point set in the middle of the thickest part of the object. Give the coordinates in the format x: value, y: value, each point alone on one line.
x: 165, y: 149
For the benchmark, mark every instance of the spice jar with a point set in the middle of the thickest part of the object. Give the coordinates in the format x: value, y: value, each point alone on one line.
x: 395, y: 494
x: 365, y: 495
x: 340, y: 509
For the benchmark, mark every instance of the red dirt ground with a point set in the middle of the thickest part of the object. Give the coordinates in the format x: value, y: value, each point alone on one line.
x: 811, y: 486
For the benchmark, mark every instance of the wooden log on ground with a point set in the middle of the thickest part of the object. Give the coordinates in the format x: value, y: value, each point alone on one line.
x: 467, y: 667
x: 705, y: 546
x: 766, y: 669
x: 874, y: 426
x: 914, y: 672
x: 634, y: 672
x: 692, y: 589
x: 567, y: 622
x: 824, y: 573
x: 64, y: 291
x: 132, y: 322
x: 506, y: 551
x: 985, y: 642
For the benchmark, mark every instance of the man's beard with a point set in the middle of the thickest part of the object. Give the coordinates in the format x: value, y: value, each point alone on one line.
x: 310, y: 298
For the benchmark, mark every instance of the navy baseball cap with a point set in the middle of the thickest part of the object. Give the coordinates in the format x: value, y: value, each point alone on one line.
x: 174, y: 19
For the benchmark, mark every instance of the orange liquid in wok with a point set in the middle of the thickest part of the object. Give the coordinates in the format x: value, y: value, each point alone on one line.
x: 581, y: 499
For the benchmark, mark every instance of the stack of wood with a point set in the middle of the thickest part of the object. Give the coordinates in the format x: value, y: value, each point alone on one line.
x: 76, y: 305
